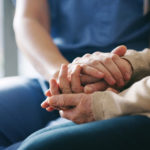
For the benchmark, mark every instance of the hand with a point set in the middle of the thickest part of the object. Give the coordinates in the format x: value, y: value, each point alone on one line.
x: 63, y: 86
x: 78, y: 106
x: 116, y: 70
x: 75, y: 107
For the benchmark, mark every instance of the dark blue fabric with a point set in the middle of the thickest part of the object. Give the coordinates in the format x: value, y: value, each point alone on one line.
x: 20, y: 110
x: 81, y: 26
x: 122, y: 133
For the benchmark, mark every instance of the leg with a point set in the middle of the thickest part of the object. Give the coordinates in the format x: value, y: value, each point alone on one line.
x: 20, y: 110
x: 122, y: 133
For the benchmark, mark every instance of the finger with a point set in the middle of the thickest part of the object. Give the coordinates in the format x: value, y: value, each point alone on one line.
x: 124, y: 67
x: 54, y: 89
x: 64, y: 84
x: 86, y: 79
x: 48, y: 93
x: 49, y: 109
x: 75, y: 80
x: 64, y: 100
x: 120, y: 50
x: 114, y: 70
x: 112, y: 90
x: 68, y: 114
x: 91, y: 71
x: 44, y: 104
x: 107, y: 76
x: 99, y: 86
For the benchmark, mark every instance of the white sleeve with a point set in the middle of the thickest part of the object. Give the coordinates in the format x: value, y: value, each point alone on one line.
x: 134, y: 100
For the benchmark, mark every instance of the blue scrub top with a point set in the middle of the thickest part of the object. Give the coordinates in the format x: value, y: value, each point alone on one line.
x: 85, y: 26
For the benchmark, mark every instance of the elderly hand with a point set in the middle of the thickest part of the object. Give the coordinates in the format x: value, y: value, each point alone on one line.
x: 75, y: 107
x: 116, y: 70
x: 97, y: 71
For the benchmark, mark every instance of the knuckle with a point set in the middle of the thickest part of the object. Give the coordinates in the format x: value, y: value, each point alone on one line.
x: 107, y: 60
x: 95, y: 62
x: 76, y: 70
x: 86, y: 55
x: 97, y: 53
x: 76, y: 60
x: 114, y: 57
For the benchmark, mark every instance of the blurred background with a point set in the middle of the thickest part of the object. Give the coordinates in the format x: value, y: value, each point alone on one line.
x: 12, y: 62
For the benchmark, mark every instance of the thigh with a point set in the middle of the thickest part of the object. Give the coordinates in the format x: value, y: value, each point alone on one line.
x: 20, y: 110
x: 123, y: 133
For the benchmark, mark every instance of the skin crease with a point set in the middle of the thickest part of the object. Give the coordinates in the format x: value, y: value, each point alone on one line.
x: 117, y: 69
x: 75, y: 107
x: 31, y: 22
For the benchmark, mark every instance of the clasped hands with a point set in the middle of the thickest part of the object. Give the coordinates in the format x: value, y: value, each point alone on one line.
x: 71, y: 94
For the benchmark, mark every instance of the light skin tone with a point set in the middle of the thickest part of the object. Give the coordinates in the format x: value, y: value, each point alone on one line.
x: 117, y: 71
x: 32, y: 30
x: 31, y: 22
x: 75, y: 107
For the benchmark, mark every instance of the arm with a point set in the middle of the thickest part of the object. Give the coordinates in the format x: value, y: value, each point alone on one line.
x: 82, y: 108
x: 105, y: 105
x: 32, y: 26
x: 135, y: 100
x: 140, y: 62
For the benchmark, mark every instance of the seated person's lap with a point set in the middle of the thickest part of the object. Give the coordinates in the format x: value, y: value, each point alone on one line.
x: 20, y: 110
x: 122, y: 133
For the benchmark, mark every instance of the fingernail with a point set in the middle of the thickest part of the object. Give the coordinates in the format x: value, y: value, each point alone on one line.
x: 42, y: 104
x: 112, y: 81
x: 88, y: 89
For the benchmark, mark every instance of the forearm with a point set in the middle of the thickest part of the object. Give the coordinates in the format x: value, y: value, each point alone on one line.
x: 38, y: 46
x: 134, y: 100
x: 140, y: 62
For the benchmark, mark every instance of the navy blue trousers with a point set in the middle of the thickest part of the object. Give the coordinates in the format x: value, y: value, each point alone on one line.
x: 20, y: 110
x: 122, y: 133
x: 21, y: 115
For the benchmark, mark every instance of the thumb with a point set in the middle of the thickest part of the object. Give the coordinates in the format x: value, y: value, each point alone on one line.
x: 120, y: 50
